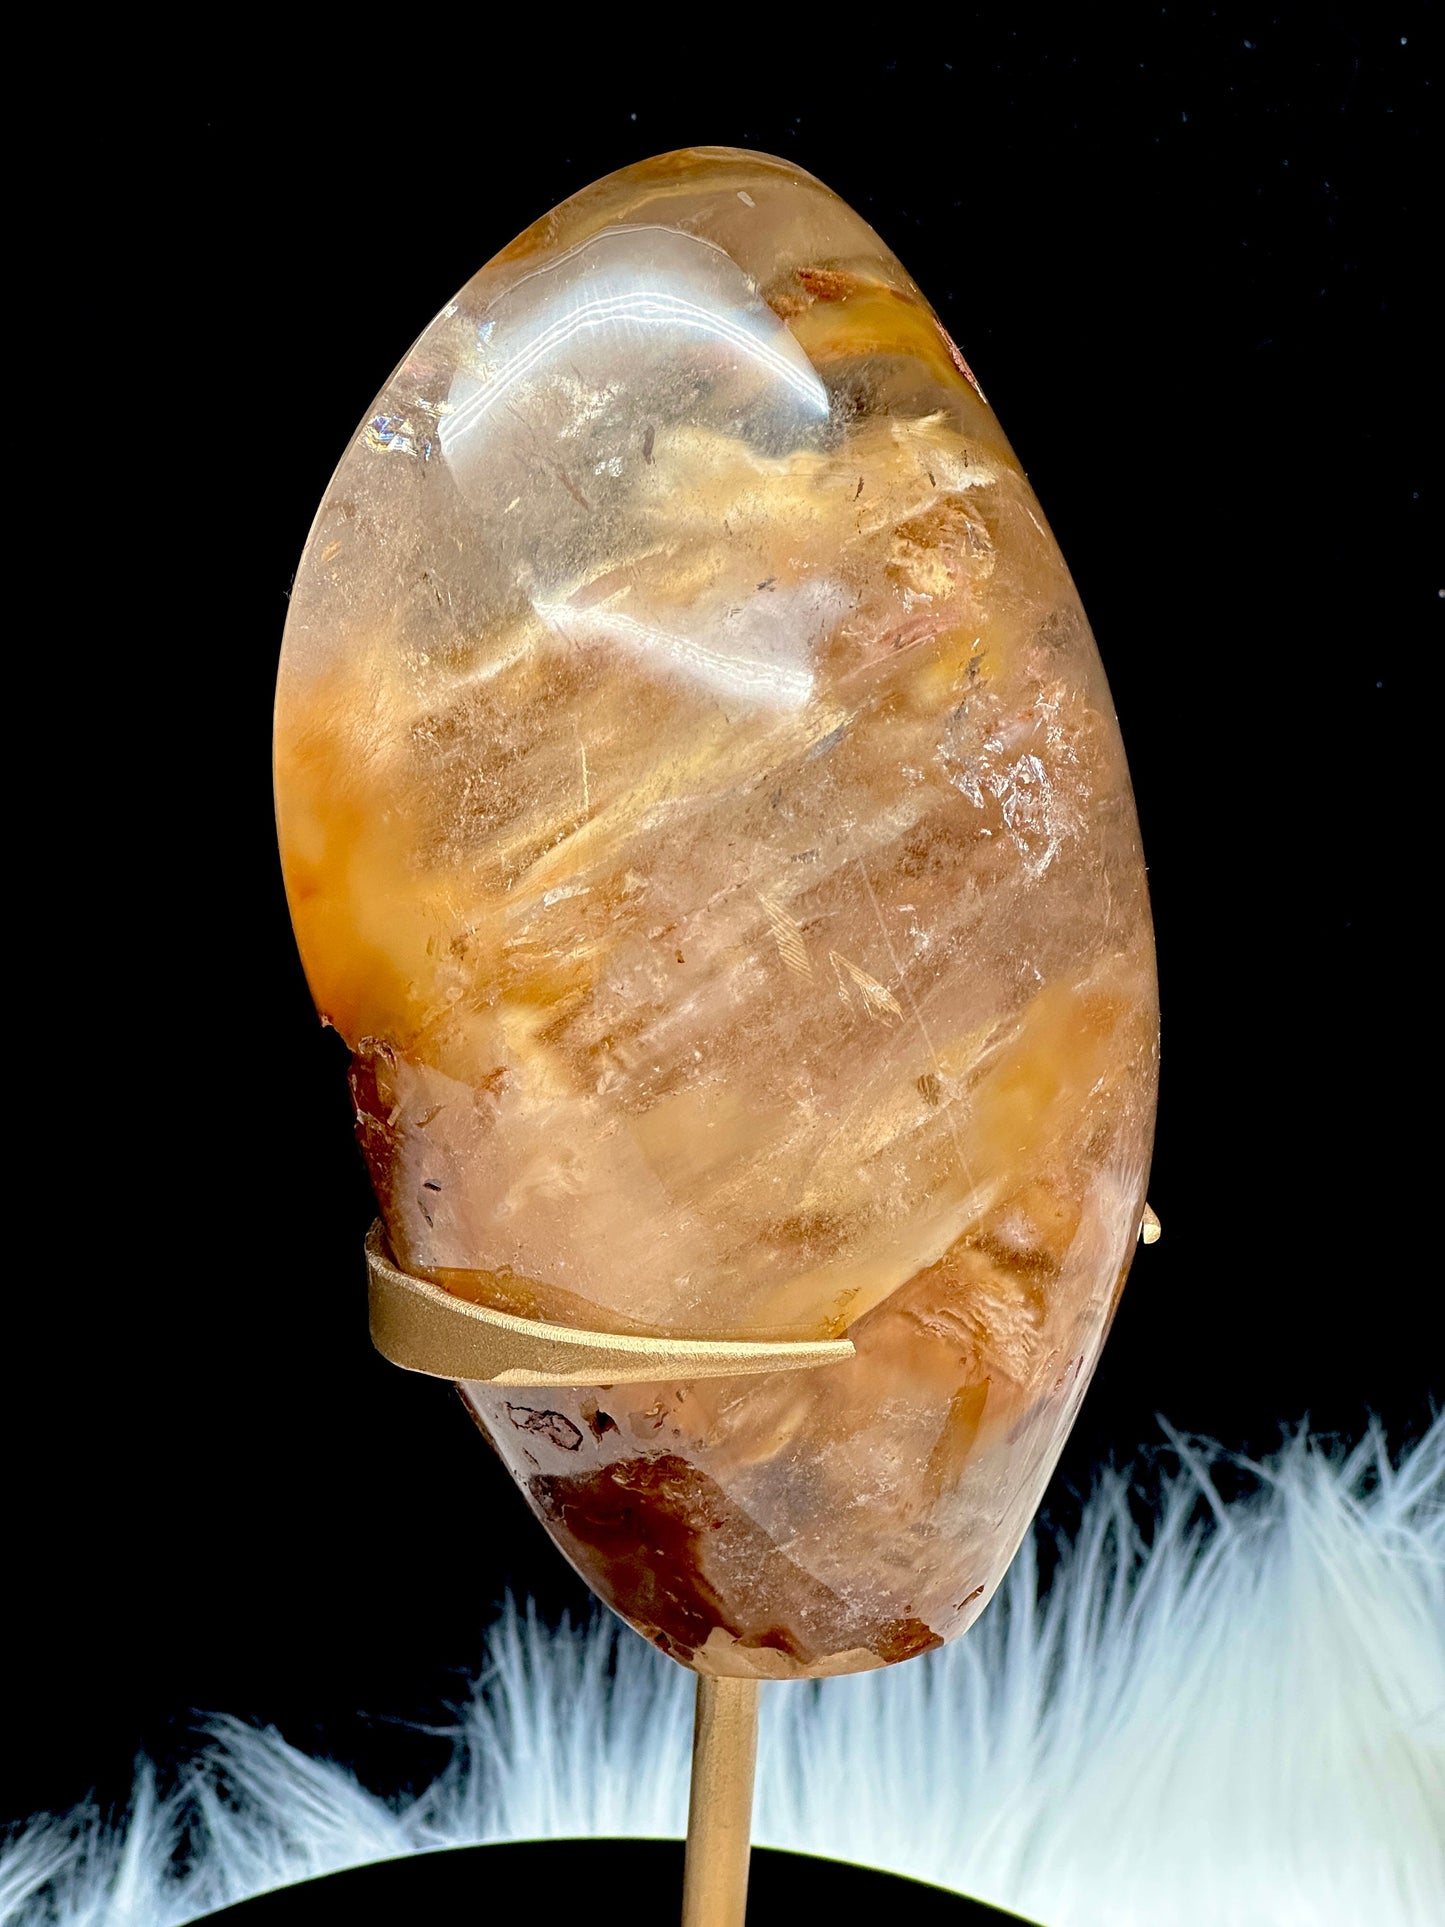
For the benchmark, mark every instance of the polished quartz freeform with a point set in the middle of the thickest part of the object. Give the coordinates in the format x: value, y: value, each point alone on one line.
x: 704, y: 817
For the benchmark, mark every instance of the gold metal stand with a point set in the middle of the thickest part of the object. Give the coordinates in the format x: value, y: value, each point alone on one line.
x: 420, y: 1326
x: 424, y: 1328
x: 720, y: 1807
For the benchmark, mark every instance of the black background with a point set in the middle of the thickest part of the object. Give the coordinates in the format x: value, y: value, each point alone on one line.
x: 446, y: 1886
x: 1186, y: 253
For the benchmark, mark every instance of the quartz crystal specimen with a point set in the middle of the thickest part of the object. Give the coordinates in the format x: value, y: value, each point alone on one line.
x: 704, y: 818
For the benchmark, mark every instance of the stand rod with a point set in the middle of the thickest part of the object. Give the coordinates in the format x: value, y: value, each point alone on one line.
x: 720, y: 1808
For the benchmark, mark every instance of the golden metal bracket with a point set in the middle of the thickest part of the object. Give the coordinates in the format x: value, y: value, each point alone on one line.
x: 421, y: 1327
x: 424, y: 1328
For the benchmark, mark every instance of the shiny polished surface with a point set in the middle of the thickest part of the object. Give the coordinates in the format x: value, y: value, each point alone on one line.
x: 704, y: 817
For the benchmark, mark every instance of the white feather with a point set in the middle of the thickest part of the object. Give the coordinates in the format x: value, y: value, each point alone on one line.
x: 1240, y: 1723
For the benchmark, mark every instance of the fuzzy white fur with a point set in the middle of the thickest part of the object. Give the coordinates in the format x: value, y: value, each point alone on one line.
x: 1240, y: 1723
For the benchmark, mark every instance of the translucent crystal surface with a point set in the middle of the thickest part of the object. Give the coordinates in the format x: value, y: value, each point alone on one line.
x: 704, y: 816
